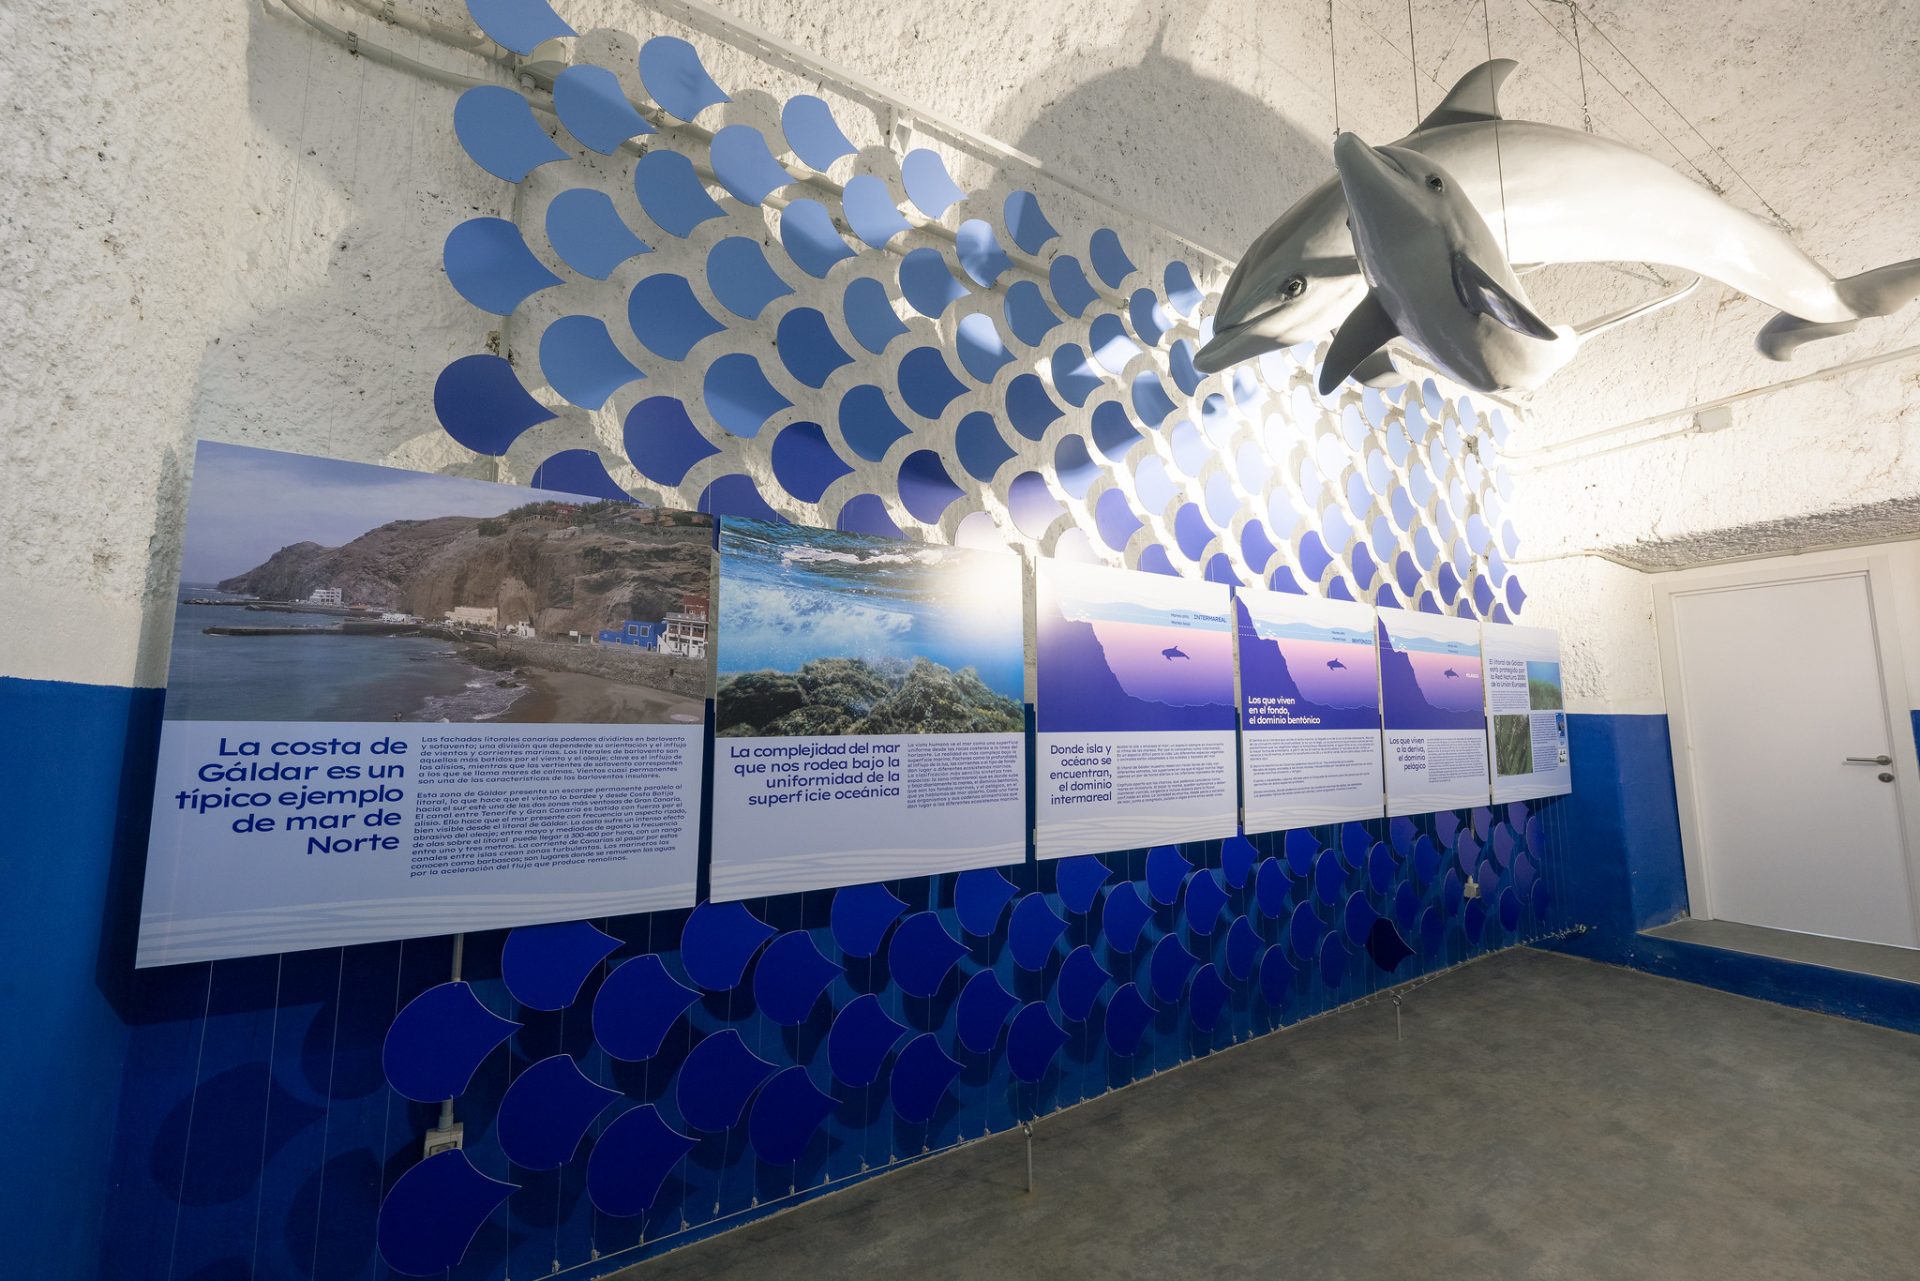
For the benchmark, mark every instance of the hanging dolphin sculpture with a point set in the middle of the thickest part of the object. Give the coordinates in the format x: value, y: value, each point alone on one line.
x: 1552, y: 195
x: 1440, y: 279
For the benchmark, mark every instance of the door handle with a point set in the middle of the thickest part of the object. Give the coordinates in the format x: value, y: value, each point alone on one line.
x: 1869, y: 760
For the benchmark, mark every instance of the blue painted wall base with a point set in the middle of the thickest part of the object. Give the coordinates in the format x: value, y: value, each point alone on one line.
x: 1624, y: 873
x: 78, y: 765
x: 218, y: 1109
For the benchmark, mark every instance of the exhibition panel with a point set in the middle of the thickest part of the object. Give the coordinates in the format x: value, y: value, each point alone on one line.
x: 1309, y: 711
x: 403, y: 704
x: 1526, y: 713
x: 1133, y: 707
x: 1434, y: 712
x: 870, y: 718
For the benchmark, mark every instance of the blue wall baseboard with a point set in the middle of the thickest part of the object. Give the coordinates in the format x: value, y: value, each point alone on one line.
x: 1866, y: 998
x: 78, y: 761
x: 1624, y: 873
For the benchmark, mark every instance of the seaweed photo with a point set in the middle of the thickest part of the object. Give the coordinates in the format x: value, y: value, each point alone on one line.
x: 1513, y: 745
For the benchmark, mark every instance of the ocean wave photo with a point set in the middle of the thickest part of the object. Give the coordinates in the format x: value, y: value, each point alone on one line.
x: 822, y: 632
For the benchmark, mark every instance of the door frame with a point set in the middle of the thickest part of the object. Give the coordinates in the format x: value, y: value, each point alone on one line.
x: 1877, y: 570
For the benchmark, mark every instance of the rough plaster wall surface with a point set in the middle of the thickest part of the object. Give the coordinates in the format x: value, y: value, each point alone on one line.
x: 240, y: 242
x: 1210, y: 118
x: 1609, y: 659
x: 1786, y: 472
x: 1809, y: 111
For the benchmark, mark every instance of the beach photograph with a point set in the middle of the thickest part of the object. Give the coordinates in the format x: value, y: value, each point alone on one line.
x: 829, y: 633
x: 319, y: 590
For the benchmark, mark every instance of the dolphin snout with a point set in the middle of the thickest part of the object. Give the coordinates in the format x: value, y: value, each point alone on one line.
x: 1349, y: 145
x: 1354, y: 158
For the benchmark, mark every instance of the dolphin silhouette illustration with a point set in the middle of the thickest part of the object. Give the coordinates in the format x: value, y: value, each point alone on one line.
x: 1451, y: 675
x: 1335, y: 665
x: 1551, y: 195
x: 1171, y: 654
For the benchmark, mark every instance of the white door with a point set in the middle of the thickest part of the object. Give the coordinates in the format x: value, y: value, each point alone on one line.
x: 1790, y: 756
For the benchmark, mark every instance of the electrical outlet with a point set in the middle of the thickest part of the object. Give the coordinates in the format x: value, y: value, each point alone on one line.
x: 451, y: 1139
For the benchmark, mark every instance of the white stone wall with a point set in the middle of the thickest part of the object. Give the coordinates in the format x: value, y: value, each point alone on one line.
x: 217, y: 225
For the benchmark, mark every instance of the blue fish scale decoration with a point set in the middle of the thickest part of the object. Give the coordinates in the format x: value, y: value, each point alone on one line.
x: 735, y: 1104
x: 981, y: 290
x: 1279, y: 487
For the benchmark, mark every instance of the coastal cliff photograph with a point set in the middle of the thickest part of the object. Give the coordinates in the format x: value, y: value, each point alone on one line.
x: 319, y: 590
x: 828, y: 633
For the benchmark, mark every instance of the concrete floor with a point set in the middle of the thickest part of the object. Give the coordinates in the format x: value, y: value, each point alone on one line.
x: 1545, y: 1118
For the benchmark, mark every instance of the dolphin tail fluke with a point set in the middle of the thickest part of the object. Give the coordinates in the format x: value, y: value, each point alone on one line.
x: 1879, y: 292
x: 1882, y: 291
x: 1783, y: 335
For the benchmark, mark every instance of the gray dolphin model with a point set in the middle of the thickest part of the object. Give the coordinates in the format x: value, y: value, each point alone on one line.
x: 1440, y: 280
x: 1551, y: 195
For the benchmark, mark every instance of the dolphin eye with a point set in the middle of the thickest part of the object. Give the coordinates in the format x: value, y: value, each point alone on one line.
x: 1434, y: 181
x: 1295, y: 286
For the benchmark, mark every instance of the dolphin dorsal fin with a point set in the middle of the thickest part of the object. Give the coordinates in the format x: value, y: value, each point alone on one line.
x: 1473, y: 98
x: 1482, y: 295
x: 1365, y: 331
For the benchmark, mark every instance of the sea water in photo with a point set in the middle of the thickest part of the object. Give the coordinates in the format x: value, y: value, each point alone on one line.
x: 325, y: 676
x: 792, y: 595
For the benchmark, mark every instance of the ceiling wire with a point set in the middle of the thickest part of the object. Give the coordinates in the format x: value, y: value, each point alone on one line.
x: 1632, y: 106
x: 1413, y: 62
x: 1499, y: 162
x: 1333, y: 60
x: 1602, y: 33
x: 1580, y: 61
x: 1692, y: 164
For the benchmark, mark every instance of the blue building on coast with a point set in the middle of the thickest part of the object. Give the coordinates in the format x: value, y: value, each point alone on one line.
x: 645, y: 635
